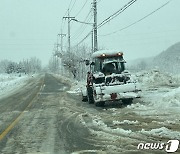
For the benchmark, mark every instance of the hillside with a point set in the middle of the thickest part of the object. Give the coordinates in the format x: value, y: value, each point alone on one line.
x: 169, y: 60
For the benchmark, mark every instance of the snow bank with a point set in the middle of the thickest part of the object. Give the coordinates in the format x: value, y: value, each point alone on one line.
x: 159, y: 102
x: 9, y: 82
x: 163, y: 132
x: 157, y: 78
x: 125, y: 122
x: 170, y: 99
x: 101, y: 125
x: 77, y: 87
x: 160, y: 95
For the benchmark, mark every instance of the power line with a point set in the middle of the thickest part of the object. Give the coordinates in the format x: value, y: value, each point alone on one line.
x: 69, y: 20
x: 66, y: 13
x: 72, y: 6
x: 81, y: 29
x: 81, y: 8
x: 84, y: 38
x: 138, y: 20
x: 75, y: 37
x: 110, y: 18
x: 69, y: 6
x: 116, y: 13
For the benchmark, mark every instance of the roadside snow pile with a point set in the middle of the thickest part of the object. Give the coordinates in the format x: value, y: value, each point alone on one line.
x: 77, y: 87
x: 159, y: 102
x: 9, y: 81
x: 97, y: 122
x: 64, y: 79
x: 157, y: 78
x: 162, y: 132
x: 170, y: 100
x: 161, y: 94
x: 125, y: 122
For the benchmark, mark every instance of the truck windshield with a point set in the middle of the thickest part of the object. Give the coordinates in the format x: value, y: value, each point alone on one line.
x: 103, y: 64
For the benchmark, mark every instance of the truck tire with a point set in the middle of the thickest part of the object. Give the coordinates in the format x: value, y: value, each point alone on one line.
x: 90, y: 96
x: 84, y: 98
x: 127, y: 101
x: 100, y: 104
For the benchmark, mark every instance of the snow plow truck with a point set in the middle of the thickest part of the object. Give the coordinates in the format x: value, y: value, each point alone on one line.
x: 108, y: 80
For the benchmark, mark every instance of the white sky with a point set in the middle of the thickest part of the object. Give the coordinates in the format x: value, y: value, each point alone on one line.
x: 29, y: 27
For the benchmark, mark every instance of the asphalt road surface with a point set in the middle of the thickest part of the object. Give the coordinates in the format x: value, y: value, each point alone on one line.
x: 42, y: 118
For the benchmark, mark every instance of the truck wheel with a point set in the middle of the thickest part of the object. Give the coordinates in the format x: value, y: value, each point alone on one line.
x: 100, y: 104
x: 84, y: 98
x: 127, y: 101
x: 90, y: 95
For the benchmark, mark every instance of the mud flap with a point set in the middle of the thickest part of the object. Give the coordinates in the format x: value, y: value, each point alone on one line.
x: 90, y: 96
x: 127, y: 101
x: 100, y: 104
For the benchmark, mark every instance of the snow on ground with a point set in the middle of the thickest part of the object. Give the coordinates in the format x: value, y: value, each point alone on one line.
x: 75, y: 86
x: 9, y: 82
x: 156, y: 78
x: 125, y: 122
x: 160, y: 93
x: 163, y: 132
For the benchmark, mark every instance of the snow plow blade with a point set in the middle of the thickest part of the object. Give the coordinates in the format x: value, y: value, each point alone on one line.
x: 125, y: 91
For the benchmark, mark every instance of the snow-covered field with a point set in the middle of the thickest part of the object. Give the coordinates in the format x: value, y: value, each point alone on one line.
x: 10, y: 82
x: 160, y: 93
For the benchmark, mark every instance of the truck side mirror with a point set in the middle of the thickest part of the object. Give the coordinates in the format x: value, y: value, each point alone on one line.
x: 87, y: 62
x: 93, y: 63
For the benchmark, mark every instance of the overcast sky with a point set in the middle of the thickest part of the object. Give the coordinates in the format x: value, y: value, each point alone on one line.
x: 29, y: 28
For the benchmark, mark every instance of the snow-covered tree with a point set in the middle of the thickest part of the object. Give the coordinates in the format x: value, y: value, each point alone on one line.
x: 3, y: 65
x: 54, y: 64
x: 74, y: 61
x: 32, y: 65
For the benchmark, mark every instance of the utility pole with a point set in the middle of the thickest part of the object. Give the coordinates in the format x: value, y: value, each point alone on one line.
x: 92, y: 41
x: 62, y: 35
x: 69, y: 36
x: 95, y: 25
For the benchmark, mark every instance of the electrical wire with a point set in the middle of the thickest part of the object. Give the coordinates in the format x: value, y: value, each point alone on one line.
x: 116, y: 13
x: 75, y: 37
x: 66, y: 13
x: 84, y: 39
x: 72, y: 6
x: 110, y: 18
x: 137, y: 20
x: 69, y: 6
x: 81, y: 29
x: 81, y: 8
